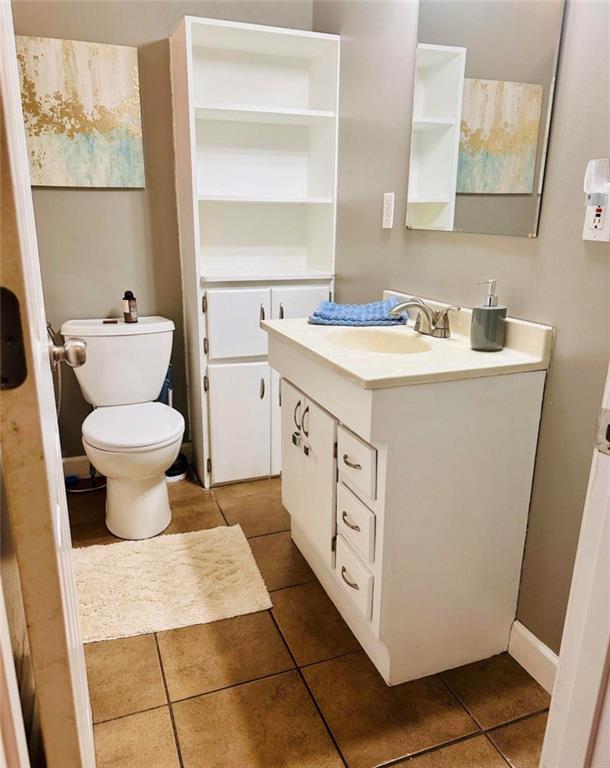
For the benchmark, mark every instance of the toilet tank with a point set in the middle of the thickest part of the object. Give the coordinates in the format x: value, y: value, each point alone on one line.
x: 126, y: 362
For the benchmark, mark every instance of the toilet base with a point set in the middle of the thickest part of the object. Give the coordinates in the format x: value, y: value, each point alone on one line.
x: 137, y: 508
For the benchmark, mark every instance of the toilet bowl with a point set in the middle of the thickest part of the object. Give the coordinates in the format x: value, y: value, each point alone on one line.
x: 129, y: 438
x: 133, y: 445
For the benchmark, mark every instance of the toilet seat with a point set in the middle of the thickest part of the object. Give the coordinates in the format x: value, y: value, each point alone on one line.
x: 132, y: 428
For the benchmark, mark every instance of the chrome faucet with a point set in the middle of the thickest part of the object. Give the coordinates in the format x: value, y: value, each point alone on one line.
x: 429, y: 322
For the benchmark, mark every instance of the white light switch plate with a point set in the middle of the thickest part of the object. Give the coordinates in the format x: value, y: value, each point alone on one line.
x: 387, y: 220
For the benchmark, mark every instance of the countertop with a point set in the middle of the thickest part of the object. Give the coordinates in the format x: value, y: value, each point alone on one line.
x: 528, y: 347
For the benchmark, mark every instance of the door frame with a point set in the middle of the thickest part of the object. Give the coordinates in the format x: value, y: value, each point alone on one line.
x: 581, y: 690
x: 31, y: 456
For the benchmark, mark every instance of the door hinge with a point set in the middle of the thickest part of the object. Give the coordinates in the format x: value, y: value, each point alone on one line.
x: 208, y: 465
x: 333, y: 543
x: 206, y: 346
x: 206, y: 384
x: 204, y: 303
x: 602, y: 441
x: 335, y: 451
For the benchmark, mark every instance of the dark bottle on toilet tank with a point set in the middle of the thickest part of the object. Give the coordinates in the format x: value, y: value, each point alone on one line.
x: 130, y: 308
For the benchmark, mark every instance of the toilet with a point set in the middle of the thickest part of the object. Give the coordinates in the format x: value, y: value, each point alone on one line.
x: 128, y: 437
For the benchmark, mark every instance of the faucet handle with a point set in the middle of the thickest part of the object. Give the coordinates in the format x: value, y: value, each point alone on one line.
x: 442, y: 329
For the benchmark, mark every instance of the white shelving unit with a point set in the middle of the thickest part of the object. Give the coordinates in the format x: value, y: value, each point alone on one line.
x: 255, y: 113
x: 435, y: 139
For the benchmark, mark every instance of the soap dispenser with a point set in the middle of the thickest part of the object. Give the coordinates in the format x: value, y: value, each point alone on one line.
x: 488, y: 320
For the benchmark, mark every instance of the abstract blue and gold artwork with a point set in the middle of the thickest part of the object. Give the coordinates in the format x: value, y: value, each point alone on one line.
x: 81, y: 107
x: 499, y: 137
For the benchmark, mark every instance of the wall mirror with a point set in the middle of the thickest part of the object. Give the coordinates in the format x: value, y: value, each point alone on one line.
x: 482, y: 103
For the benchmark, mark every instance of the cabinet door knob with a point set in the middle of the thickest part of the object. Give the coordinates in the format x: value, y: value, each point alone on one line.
x: 349, y: 583
x: 262, y: 389
x: 295, y: 417
x: 281, y: 311
x: 349, y: 463
x: 262, y: 312
x: 349, y: 523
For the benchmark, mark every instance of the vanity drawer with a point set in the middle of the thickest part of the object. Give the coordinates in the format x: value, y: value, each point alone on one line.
x: 357, y: 462
x: 354, y: 578
x: 356, y: 523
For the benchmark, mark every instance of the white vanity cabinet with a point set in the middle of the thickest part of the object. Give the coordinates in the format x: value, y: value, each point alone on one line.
x: 407, y: 479
x: 309, y: 469
x: 256, y: 127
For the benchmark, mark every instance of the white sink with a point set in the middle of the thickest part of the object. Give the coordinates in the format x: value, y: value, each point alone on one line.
x: 396, y: 341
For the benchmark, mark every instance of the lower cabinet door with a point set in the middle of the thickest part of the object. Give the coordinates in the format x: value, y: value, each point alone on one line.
x: 233, y: 318
x: 319, y: 434
x: 276, y: 424
x: 293, y: 467
x: 297, y: 301
x: 240, y: 424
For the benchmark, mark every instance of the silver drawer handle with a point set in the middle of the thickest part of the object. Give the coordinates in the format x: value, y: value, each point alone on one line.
x: 349, y: 523
x: 350, y: 464
x: 349, y: 583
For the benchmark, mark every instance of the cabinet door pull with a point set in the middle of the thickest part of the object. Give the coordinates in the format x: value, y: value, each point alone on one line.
x: 281, y: 311
x: 261, y: 313
x: 294, y: 416
x: 349, y: 523
x: 305, y: 412
x: 350, y: 464
x: 349, y: 583
x: 262, y: 389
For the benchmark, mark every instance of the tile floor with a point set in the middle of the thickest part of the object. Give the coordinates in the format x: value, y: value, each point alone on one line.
x: 289, y: 687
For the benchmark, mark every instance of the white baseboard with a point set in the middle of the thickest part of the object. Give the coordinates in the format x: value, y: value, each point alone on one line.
x: 79, y: 465
x: 533, y: 655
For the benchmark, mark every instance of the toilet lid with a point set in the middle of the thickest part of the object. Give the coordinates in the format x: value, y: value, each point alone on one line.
x: 132, y: 427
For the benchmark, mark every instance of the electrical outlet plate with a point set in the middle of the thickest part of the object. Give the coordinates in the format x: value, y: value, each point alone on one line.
x: 387, y: 221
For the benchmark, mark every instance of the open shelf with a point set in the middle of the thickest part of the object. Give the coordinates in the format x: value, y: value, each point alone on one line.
x: 254, y: 114
x: 432, y: 123
x: 261, y: 271
x: 265, y: 162
x: 435, y: 138
x: 248, y: 241
x: 280, y: 200
x: 428, y: 200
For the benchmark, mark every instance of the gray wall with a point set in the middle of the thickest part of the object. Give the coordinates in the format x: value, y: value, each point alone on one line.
x: 556, y: 279
x: 504, y: 41
x: 96, y: 243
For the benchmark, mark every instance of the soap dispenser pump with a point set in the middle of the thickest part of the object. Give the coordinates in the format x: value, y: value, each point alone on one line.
x: 488, y: 320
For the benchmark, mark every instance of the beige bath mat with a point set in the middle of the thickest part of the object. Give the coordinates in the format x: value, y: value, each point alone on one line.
x: 136, y: 587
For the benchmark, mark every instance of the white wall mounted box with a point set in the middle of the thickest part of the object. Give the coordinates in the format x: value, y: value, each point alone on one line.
x: 433, y: 464
x: 256, y: 126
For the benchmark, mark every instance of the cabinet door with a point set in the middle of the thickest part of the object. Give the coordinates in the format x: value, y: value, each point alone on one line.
x: 276, y: 424
x: 319, y: 436
x: 233, y: 318
x: 297, y: 301
x: 293, y: 481
x: 239, y: 421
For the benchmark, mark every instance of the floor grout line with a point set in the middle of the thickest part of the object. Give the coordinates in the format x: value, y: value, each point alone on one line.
x: 519, y: 719
x: 427, y: 750
x: 310, y: 692
x: 497, y: 749
x: 300, y: 584
x: 169, y: 703
x: 268, y: 533
x: 460, y: 702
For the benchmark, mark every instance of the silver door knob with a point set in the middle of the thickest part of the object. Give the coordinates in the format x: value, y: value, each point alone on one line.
x: 73, y: 352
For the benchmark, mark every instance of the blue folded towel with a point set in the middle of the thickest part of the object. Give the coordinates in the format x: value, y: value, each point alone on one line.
x: 375, y: 313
